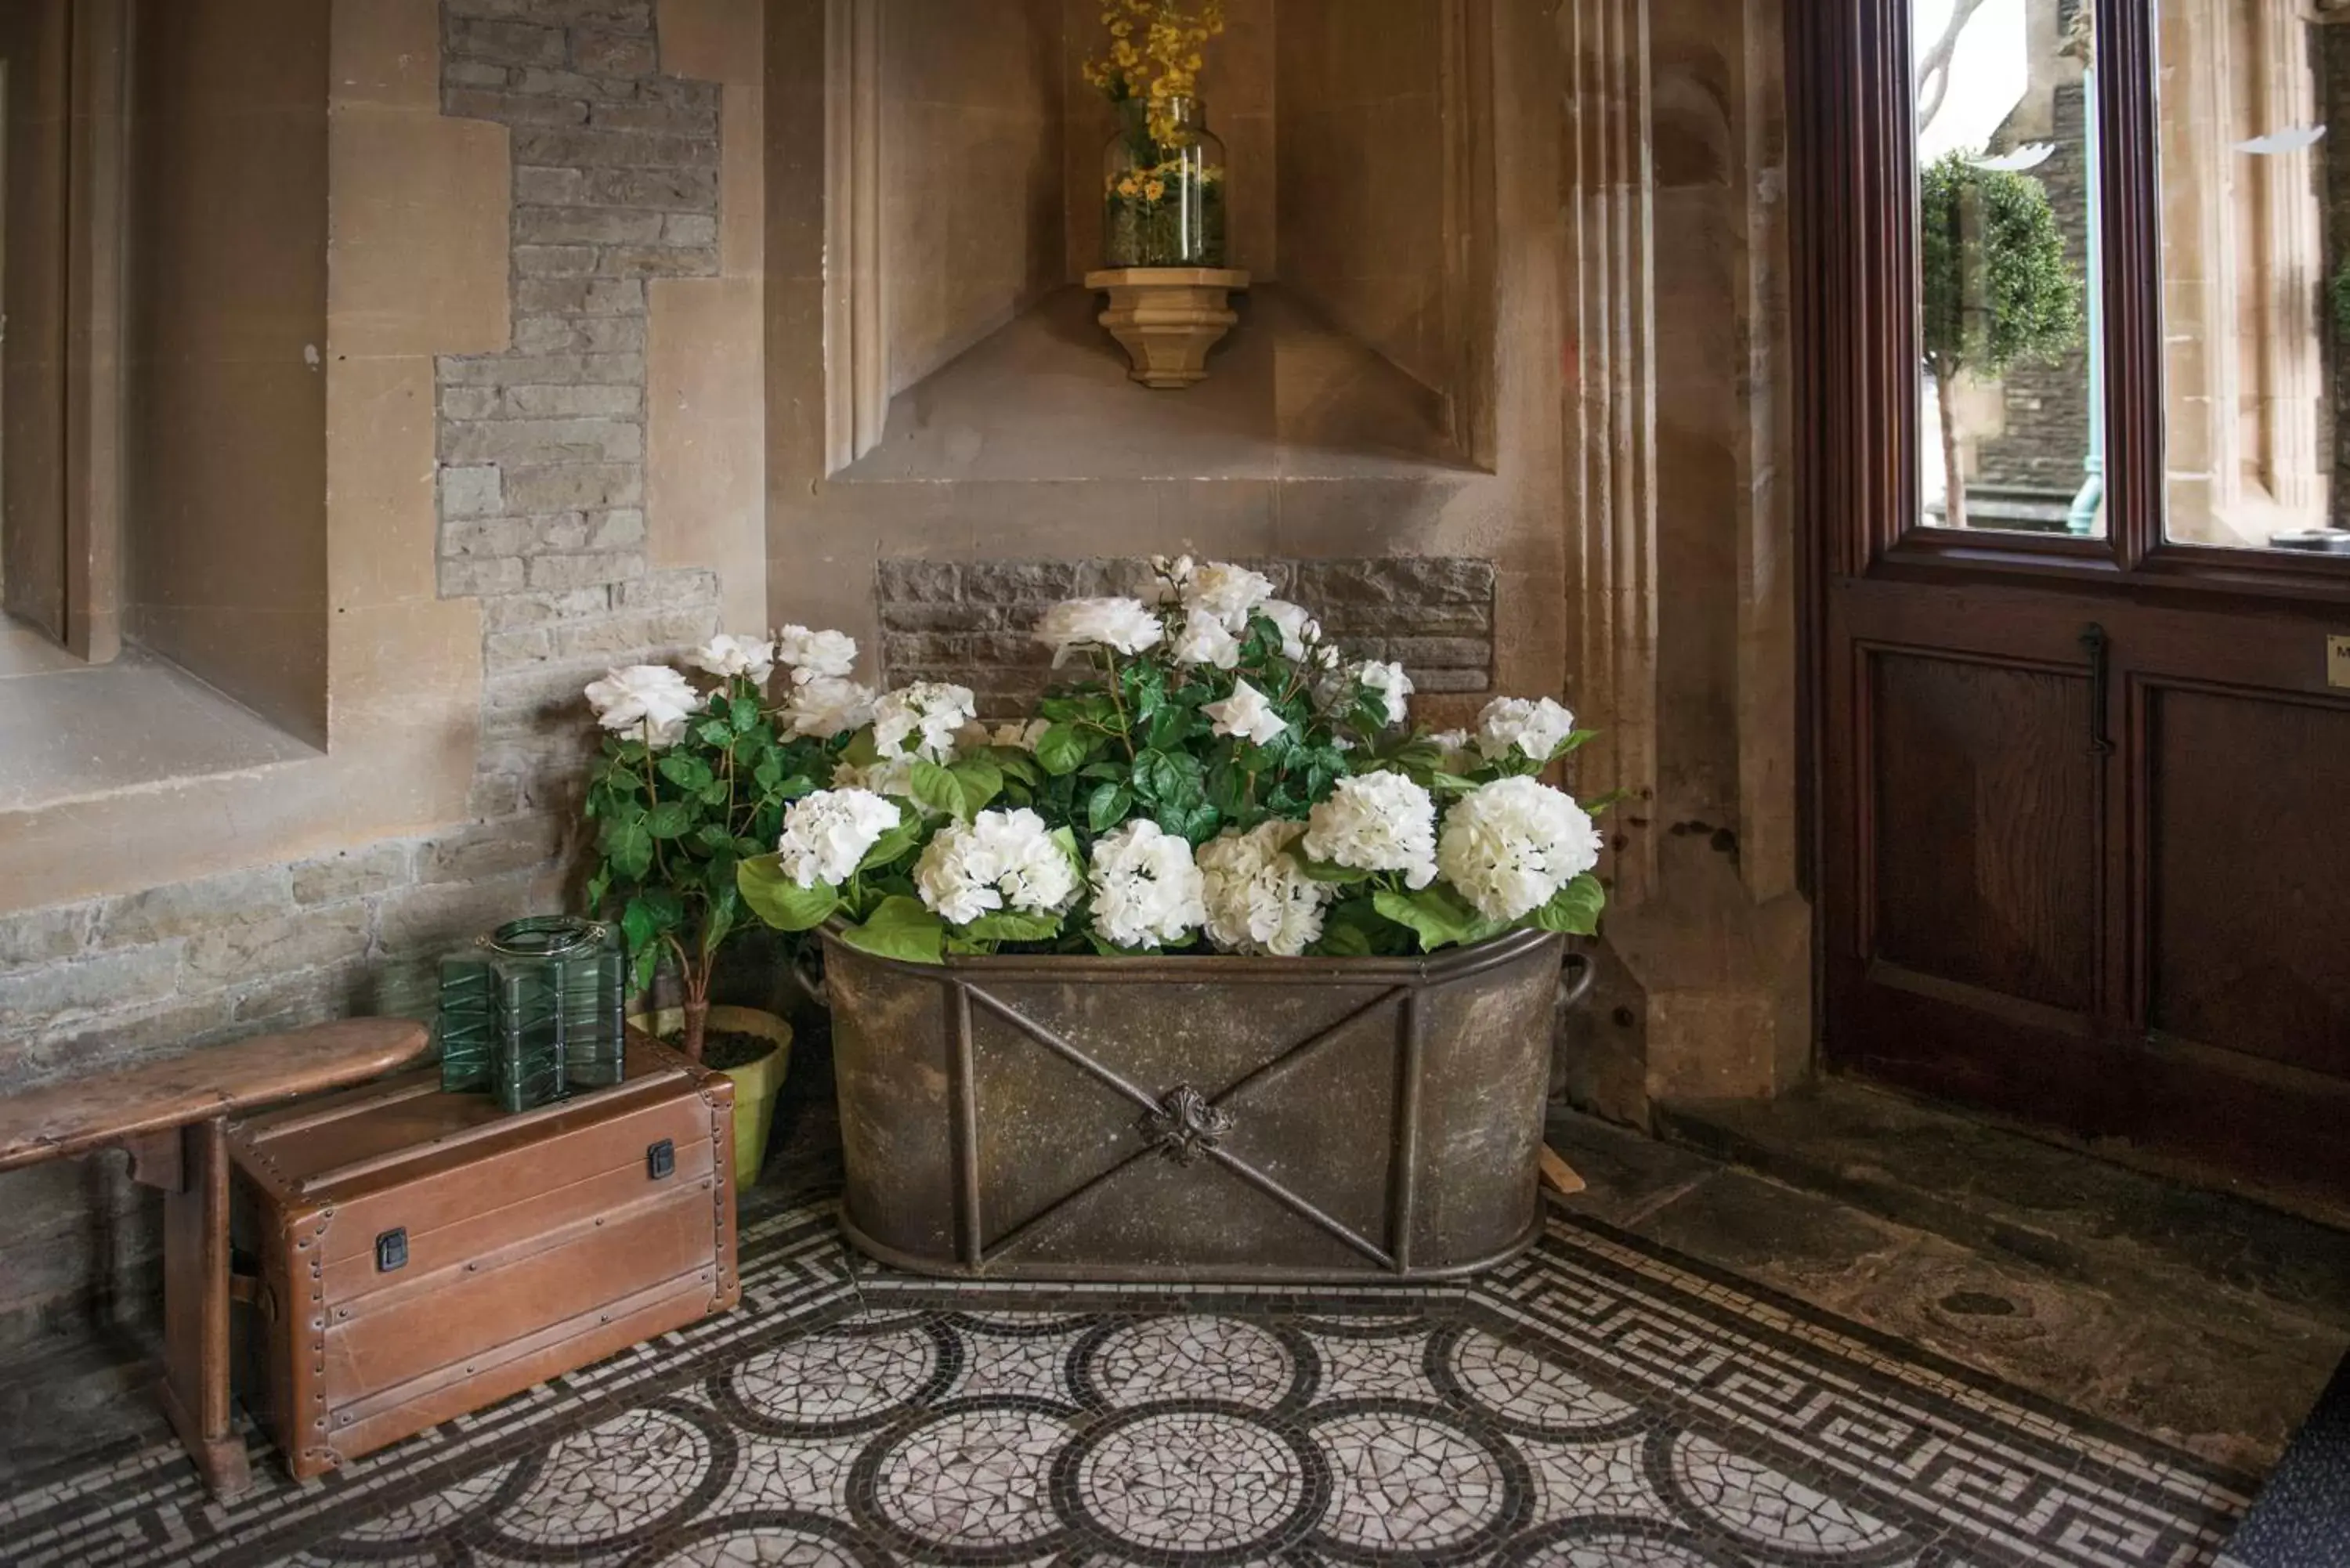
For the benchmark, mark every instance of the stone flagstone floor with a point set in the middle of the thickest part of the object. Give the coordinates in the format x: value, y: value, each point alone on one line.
x: 1602, y: 1401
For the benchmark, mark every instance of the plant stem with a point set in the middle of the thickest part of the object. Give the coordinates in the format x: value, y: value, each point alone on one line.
x: 1117, y: 701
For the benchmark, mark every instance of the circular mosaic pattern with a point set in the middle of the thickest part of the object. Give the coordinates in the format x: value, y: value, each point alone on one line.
x: 1523, y: 1392
x: 1405, y: 1479
x: 1608, y: 1543
x: 619, y: 1481
x: 402, y: 1529
x: 970, y: 1480
x: 1714, y: 1487
x: 770, y: 1538
x: 839, y: 1382
x: 1186, y: 1357
x: 1192, y: 1480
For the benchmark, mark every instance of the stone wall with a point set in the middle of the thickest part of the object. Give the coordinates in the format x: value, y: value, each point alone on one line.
x: 971, y: 623
x: 541, y: 482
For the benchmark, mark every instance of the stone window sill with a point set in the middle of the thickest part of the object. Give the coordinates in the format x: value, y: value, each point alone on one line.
x: 71, y: 731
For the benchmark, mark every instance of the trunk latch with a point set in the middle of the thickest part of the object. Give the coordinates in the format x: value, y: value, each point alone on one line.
x: 391, y: 1251
x: 660, y: 1159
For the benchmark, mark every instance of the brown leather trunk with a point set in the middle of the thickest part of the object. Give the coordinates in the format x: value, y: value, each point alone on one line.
x: 421, y: 1255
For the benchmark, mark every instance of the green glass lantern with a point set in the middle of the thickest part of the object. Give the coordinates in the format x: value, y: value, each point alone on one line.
x: 534, y: 1012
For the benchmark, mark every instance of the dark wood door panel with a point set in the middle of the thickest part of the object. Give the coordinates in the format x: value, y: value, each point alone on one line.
x: 1982, y: 829
x: 2247, y: 874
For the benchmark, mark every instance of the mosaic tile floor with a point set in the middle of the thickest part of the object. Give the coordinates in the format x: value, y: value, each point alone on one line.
x: 1597, y: 1403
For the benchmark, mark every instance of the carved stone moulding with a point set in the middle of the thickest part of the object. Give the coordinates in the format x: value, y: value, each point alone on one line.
x: 1169, y: 317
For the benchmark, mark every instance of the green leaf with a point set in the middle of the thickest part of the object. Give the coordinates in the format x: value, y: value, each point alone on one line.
x: 1450, y: 783
x: 637, y: 925
x: 1107, y: 807
x: 783, y: 903
x: 1441, y: 917
x: 743, y: 711
x: 982, y: 781
x: 901, y: 928
x: 690, y: 773
x: 893, y: 845
x: 938, y: 789
x: 1324, y: 870
x: 1012, y: 926
x: 628, y: 846
x: 670, y: 819
x: 715, y: 732
x: 1576, y: 908
x: 1061, y: 749
x: 711, y: 838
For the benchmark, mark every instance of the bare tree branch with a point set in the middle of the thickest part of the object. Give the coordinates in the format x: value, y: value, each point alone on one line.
x: 1934, y: 66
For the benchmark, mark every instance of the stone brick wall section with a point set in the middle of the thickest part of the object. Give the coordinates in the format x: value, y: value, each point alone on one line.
x: 542, y: 482
x: 971, y: 623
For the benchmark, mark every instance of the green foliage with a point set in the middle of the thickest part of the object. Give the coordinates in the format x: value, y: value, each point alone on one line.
x: 1997, y: 290
x: 672, y: 826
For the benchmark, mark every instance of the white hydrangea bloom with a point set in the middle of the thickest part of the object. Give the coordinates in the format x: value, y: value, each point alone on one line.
x: 1377, y: 822
x: 829, y: 706
x: 892, y: 776
x: 815, y: 655
x: 728, y: 656
x: 827, y: 835
x: 1510, y: 845
x: 1205, y: 640
x: 1259, y: 900
x: 923, y: 720
x: 1536, y: 729
x: 1300, y: 632
x: 1389, y: 683
x: 1001, y: 859
x: 651, y: 702
x: 1227, y: 592
x: 1124, y: 626
x: 1246, y: 714
x: 1148, y: 891
x: 1457, y: 754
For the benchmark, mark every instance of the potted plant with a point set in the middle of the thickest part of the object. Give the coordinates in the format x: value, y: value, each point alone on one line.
x: 1216, y: 902
x: 690, y: 782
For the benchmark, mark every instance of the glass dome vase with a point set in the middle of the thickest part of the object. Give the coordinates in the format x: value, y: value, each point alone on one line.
x: 1163, y: 188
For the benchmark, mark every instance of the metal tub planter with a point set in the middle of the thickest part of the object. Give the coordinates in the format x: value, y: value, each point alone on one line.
x: 1193, y: 1119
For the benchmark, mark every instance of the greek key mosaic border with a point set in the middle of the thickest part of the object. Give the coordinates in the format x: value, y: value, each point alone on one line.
x: 1597, y: 1401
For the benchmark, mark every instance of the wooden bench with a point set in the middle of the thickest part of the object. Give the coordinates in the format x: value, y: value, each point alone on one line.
x: 172, y: 1116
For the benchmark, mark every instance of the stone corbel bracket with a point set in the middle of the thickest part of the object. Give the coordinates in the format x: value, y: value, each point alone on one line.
x: 1169, y: 319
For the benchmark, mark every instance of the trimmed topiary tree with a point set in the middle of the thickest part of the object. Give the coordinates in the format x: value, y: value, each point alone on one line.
x: 1998, y: 291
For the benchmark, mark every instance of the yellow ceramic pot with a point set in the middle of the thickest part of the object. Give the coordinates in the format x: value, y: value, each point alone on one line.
x: 756, y: 1084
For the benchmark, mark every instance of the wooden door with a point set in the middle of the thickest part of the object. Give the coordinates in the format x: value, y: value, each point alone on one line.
x: 2081, y: 849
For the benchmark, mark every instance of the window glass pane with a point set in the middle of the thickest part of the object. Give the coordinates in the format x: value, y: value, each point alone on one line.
x: 2256, y: 271
x: 2008, y: 399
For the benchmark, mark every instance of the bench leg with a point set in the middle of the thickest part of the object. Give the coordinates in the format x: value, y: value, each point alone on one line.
x: 195, y: 1310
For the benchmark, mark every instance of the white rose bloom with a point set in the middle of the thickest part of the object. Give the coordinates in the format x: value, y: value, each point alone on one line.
x: 1124, y: 626
x: 923, y: 720
x: 827, y: 835
x: 1537, y: 728
x: 730, y: 656
x: 1246, y: 715
x: 1148, y: 891
x: 652, y: 699
x: 1510, y: 845
x: 1174, y: 573
x: 1204, y: 640
x: 1227, y: 592
x: 1299, y: 630
x: 829, y: 706
x: 1259, y: 900
x: 815, y: 655
x: 1389, y: 683
x: 1001, y: 859
x: 1377, y: 822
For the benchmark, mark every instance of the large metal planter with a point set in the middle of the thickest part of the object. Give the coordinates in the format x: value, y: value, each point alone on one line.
x: 1195, y: 1118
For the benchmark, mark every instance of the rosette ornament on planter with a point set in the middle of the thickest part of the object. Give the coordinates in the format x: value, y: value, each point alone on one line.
x: 1153, y: 918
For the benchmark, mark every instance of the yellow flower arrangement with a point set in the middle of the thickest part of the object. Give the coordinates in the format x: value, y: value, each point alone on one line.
x: 1165, y: 65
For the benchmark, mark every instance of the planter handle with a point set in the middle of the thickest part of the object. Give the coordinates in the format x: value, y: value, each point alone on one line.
x: 808, y: 975
x: 1573, y: 991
